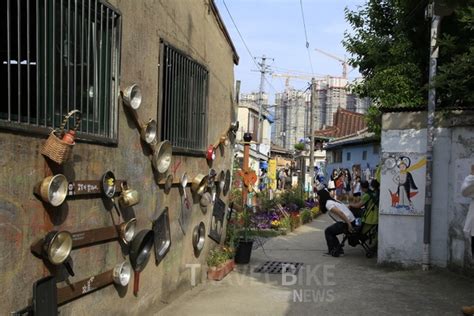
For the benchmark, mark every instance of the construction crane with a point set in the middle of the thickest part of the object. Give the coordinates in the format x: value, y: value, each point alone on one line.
x: 294, y: 76
x: 344, y: 63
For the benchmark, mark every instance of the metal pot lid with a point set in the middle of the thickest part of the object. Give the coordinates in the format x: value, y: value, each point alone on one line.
x: 199, y: 237
x: 58, y: 246
x: 162, y: 156
x: 108, y: 184
x: 140, y: 249
x: 132, y: 96
x: 122, y: 273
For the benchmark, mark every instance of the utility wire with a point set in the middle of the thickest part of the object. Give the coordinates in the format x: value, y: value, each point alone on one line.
x: 306, y: 37
x: 241, y: 37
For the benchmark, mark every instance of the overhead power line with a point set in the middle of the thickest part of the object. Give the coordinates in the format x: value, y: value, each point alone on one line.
x: 306, y: 37
x: 240, y: 34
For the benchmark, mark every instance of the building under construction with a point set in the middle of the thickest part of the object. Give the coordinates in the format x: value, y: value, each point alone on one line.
x: 292, y: 109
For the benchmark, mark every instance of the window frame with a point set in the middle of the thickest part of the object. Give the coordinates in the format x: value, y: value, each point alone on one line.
x: 160, y: 102
x: 41, y: 125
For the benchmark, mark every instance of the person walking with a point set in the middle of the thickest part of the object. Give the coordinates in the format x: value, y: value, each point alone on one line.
x: 467, y: 190
x: 282, y: 177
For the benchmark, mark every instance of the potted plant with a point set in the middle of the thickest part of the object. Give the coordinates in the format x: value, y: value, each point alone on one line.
x: 220, y: 262
x: 245, y: 240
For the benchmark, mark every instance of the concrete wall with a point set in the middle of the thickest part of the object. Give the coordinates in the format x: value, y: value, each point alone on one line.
x: 401, y: 237
x: 191, y: 27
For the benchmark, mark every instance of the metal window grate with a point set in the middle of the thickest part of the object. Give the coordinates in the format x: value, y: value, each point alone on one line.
x: 184, y: 105
x: 59, y: 55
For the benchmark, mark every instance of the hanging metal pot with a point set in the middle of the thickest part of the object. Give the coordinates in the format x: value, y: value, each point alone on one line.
x: 128, y: 197
x: 226, y: 188
x: 199, y: 237
x: 211, y: 153
x: 108, y: 184
x: 57, y: 246
x: 140, y: 251
x: 221, y: 181
x: 206, y: 200
x: 148, y: 132
x: 127, y: 230
x: 132, y: 96
x: 199, y: 184
x: 162, y: 155
x: 122, y: 273
x: 53, y: 189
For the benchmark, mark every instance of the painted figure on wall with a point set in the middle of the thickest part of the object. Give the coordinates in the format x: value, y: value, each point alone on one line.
x: 405, y: 184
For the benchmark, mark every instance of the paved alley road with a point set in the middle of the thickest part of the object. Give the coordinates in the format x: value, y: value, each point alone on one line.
x: 350, y: 285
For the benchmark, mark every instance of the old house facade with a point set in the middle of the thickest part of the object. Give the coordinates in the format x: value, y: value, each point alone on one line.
x: 58, y: 56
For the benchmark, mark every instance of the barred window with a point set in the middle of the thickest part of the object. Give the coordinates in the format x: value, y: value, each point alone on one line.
x: 184, y: 101
x: 59, y: 55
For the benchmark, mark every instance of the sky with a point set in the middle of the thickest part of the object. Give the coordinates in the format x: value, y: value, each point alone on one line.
x: 275, y: 28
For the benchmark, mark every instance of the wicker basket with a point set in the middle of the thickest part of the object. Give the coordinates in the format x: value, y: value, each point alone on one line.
x: 55, y: 148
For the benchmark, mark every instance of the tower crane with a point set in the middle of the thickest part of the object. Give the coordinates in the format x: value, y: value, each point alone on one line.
x: 288, y: 76
x: 344, y: 63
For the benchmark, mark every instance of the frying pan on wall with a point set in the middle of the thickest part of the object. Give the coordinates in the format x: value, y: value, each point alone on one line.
x: 161, y: 228
x: 199, y: 238
x: 140, y: 251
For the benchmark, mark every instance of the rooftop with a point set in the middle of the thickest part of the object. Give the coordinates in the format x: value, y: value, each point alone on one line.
x: 345, y: 123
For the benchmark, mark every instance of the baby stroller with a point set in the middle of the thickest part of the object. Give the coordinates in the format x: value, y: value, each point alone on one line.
x: 363, y: 234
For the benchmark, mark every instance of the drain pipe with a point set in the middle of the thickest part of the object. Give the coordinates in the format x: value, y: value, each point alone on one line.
x: 434, y: 50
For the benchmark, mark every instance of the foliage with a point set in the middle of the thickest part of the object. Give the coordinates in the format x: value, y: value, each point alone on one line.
x: 219, y: 256
x: 285, y: 223
x: 299, y: 146
x: 244, y: 218
x: 390, y: 45
x: 265, y: 203
x: 315, y: 212
x: 235, y: 197
x: 295, y: 220
x: 292, y: 197
x: 306, y: 215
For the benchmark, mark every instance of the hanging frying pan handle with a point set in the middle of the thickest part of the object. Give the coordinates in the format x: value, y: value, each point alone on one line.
x: 68, y: 268
x: 115, y: 207
x: 136, y: 282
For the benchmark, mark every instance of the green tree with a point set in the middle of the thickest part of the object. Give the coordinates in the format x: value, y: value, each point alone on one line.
x: 390, y: 45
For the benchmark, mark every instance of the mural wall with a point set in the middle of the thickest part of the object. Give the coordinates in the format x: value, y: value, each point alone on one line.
x: 403, y: 184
